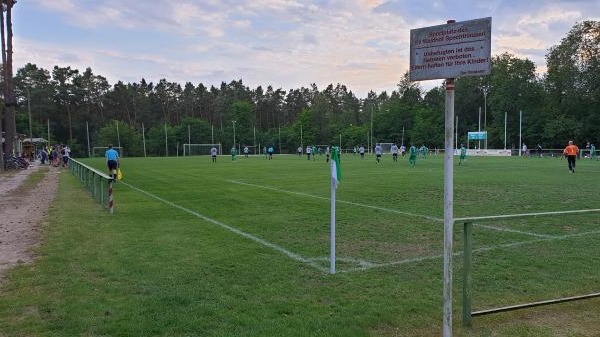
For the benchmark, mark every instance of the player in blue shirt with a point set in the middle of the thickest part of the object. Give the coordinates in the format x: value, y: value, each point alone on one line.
x: 112, y: 161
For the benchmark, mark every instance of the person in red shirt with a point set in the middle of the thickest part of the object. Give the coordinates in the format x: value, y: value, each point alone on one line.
x: 571, y: 152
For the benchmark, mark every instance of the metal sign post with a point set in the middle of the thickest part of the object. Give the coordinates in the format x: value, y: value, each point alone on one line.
x: 446, y: 52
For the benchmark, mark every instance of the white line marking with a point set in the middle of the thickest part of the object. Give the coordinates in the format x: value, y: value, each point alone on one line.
x: 234, y: 230
x: 338, y: 200
x: 500, y: 229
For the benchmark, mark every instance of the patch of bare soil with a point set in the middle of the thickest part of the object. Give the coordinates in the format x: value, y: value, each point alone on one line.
x: 23, y: 211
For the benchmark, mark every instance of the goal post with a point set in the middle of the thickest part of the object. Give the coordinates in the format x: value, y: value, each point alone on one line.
x: 99, y: 151
x: 200, y: 149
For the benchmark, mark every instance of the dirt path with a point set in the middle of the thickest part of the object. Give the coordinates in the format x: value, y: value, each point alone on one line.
x: 23, y: 211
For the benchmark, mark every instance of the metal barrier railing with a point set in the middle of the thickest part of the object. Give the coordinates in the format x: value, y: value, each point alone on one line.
x: 467, y: 312
x: 98, y: 183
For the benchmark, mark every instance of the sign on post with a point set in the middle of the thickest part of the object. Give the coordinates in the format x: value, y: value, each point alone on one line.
x: 477, y: 135
x: 451, y: 50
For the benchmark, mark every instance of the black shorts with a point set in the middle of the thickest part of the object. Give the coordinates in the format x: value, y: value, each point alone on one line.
x: 112, y: 164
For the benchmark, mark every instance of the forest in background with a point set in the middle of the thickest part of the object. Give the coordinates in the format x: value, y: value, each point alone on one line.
x: 66, y: 105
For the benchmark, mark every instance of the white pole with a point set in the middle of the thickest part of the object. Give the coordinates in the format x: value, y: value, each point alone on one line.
x: 520, y: 129
x: 479, y: 131
x: 505, y: 129
x: 332, y: 224
x: 29, y: 110
x: 485, y: 117
x: 189, y: 141
x: 233, y: 122
x: 456, y: 134
x: 144, y: 138
x: 402, y: 135
x: 166, y: 142
x: 87, y: 130
x: 119, y: 138
x: 448, y: 206
x: 371, y: 140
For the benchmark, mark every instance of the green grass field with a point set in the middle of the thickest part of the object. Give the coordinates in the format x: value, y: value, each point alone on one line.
x: 241, y: 248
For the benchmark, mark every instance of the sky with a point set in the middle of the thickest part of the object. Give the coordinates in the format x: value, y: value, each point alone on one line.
x: 287, y: 44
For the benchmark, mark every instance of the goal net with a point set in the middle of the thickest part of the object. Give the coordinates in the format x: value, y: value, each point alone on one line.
x: 200, y: 149
x: 387, y: 147
x: 99, y: 151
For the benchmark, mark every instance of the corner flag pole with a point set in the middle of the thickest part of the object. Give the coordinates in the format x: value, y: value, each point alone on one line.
x: 332, y: 230
x: 336, y: 175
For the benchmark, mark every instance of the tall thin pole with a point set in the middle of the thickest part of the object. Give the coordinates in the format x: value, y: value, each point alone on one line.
x: 520, y: 129
x: 479, y: 131
x: 371, y: 140
x: 456, y: 134
x: 485, y: 115
x: 118, y: 136
x: 87, y: 130
x: 402, y: 135
x: 505, y: 120
x: 144, y: 139
x: 29, y: 110
x: 448, y: 205
x: 166, y: 142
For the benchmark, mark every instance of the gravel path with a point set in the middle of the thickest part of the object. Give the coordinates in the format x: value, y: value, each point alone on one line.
x: 23, y: 212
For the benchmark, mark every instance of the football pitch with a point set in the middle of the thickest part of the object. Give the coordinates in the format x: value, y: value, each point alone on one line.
x: 241, y: 248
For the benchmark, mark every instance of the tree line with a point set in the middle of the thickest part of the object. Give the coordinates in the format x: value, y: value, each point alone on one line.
x: 70, y: 106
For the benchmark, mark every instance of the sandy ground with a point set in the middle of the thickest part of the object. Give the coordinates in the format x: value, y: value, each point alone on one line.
x: 23, y: 212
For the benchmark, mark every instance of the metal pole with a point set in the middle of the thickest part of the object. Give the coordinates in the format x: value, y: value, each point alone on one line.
x: 485, y: 115
x: 520, y: 129
x: 467, y: 273
x: 87, y: 130
x: 479, y: 131
x: 166, y: 142
x: 189, y: 141
x: 29, y: 110
x: 332, y: 226
x: 448, y: 205
x: 402, y: 136
x: 505, y: 129
x: 371, y: 145
x: 233, y: 122
x: 119, y: 138
x: 144, y: 139
x: 456, y: 134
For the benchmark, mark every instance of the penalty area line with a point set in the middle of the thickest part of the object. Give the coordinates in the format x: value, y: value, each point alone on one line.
x: 338, y: 200
x: 232, y: 229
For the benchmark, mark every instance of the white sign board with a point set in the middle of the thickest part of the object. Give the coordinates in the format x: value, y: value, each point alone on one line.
x: 451, y: 50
